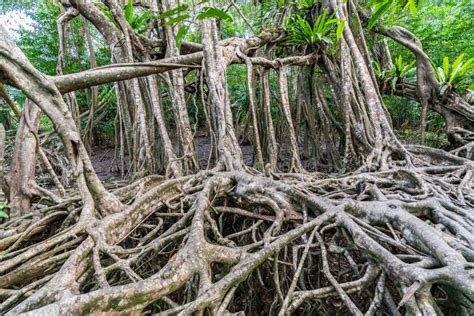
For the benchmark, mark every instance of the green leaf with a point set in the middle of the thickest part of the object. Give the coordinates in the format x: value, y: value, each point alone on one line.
x: 446, y: 68
x: 378, y: 13
x: 210, y: 12
x: 411, y: 4
x: 399, y: 63
x: 327, y: 39
x: 456, y: 67
x: 377, y: 67
x: 307, y: 4
x: 176, y: 20
x: 183, y: 30
x: 139, y: 23
x: 318, y: 25
x: 3, y: 214
x: 471, y: 87
x: 441, y: 75
x: 340, y: 30
x: 128, y: 12
x: 172, y: 12
x: 467, y: 67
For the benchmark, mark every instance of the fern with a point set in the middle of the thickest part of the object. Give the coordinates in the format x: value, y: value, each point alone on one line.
x: 455, y: 76
x: 400, y: 72
x: 300, y: 31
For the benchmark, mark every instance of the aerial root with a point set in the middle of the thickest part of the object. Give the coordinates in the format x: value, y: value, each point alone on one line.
x: 389, y: 240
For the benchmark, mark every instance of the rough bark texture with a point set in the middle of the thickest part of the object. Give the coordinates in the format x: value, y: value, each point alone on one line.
x: 393, y: 235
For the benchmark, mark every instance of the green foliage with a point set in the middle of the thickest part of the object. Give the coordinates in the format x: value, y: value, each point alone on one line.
x: 183, y: 14
x: 178, y: 19
x: 306, y: 4
x: 12, y: 5
x: 300, y: 31
x: 46, y: 124
x: 40, y: 44
x: 128, y: 11
x: 210, y: 12
x: 431, y: 139
x: 455, y: 75
x: 340, y: 29
x: 138, y: 19
x: 379, y: 10
x: 402, y: 68
x: 383, y: 6
x: 172, y: 12
x: 3, y: 206
x: 443, y: 27
x: 140, y: 22
x: 400, y: 71
x: 106, y: 127
x: 406, y: 116
x: 183, y: 30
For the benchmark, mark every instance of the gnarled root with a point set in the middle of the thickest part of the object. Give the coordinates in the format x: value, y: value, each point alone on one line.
x: 218, y: 240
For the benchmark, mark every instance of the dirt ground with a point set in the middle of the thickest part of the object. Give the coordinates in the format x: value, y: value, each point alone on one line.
x: 102, y: 157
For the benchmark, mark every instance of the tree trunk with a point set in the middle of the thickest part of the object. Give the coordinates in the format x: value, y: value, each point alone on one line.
x: 21, y: 177
x: 228, y: 150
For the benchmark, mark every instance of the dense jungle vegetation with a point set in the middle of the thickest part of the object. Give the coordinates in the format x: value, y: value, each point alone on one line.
x: 237, y: 157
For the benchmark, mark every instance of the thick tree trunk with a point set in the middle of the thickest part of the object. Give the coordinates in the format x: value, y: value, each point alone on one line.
x: 172, y: 163
x: 228, y: 150
x: 21, y: 177
x: 295, y: 165
x: 385, y: 141
x: 258, y: 160
x: 272, y: 148
x: 176, y: 92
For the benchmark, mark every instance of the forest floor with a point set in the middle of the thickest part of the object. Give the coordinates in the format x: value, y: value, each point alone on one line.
x: 102, y: 157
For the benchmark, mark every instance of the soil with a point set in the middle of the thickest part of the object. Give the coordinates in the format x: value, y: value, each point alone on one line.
x: 102, y: 157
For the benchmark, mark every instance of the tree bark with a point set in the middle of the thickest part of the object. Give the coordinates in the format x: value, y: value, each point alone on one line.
x: 228, y: 150
x: 44, y: 93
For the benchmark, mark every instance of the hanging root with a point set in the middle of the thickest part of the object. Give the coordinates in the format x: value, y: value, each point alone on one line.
x: 398, y: 240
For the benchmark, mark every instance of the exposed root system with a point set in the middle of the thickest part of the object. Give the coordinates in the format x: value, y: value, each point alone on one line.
x: 226, y: 242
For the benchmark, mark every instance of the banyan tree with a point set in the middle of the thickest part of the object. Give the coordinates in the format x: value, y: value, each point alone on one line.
x: 333, y: 212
